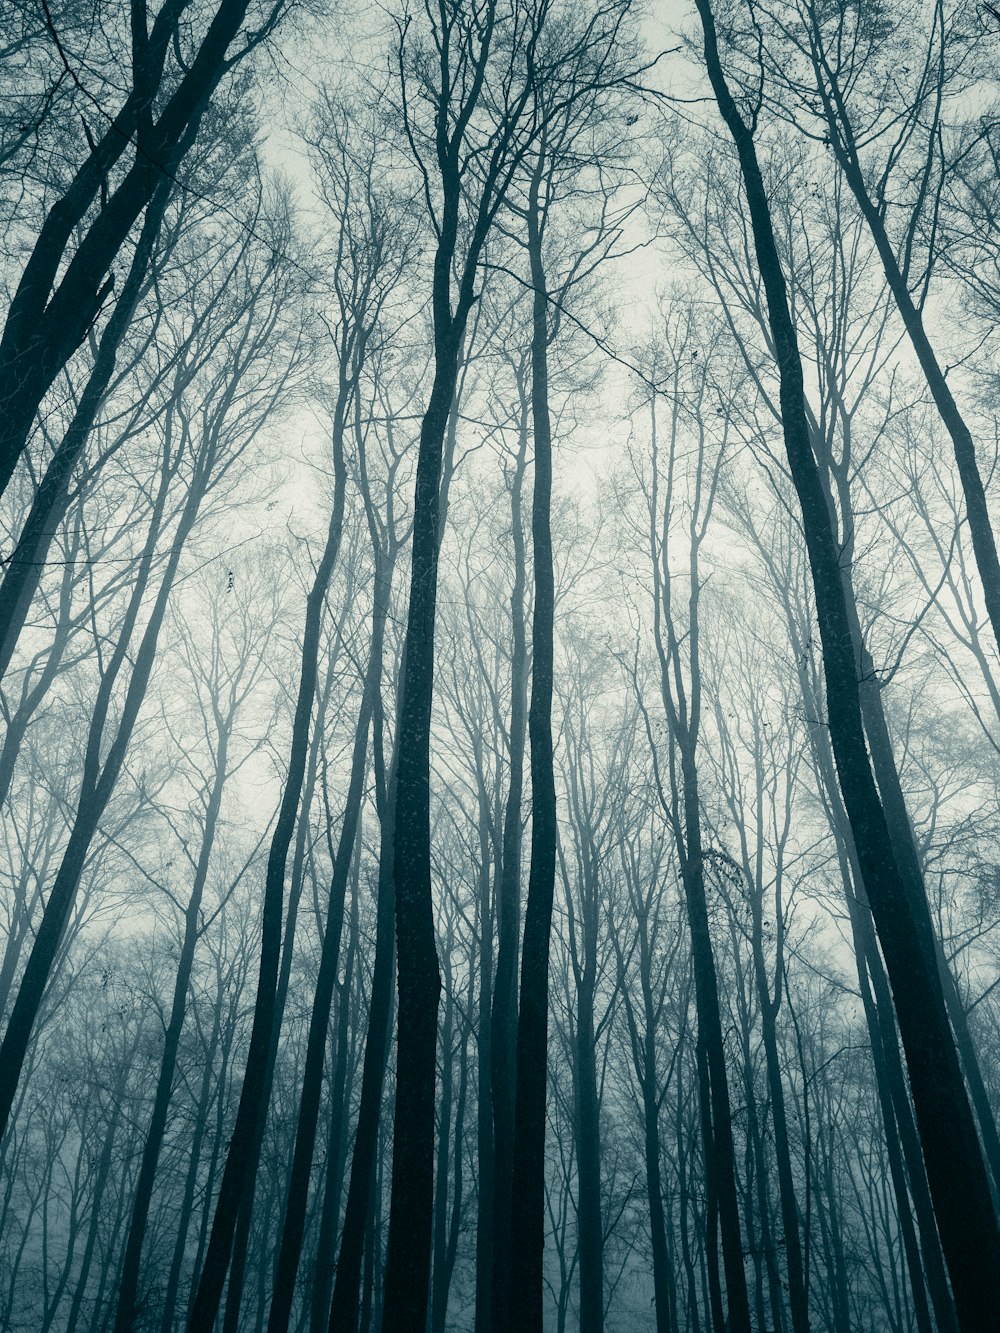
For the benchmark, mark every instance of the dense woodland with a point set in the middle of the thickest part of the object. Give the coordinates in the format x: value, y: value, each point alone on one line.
x: 499, y: 666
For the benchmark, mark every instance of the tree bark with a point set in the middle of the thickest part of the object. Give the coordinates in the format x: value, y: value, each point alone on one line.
x: 842, y: 140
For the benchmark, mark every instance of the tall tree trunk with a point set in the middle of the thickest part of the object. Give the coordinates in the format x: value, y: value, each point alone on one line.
x: 450, y: 1147
x: 93, y: 1230
x: 711, y: 1216
x: 345, y: 1305
x: 26, y: 563
x: 252, y: 1108
x: 845, y: 147
x: 588, y: 1130
x: 242, y: 1233
x: 798, y: 1296
x: 293, y: 1228
x: 494, y: 1302
x: 419, y: 980
x: 908, y: 857
x: 143, y: 1195
x: 890, y: 1079
x: 99, y: 779
x: 719, y: 1146
x: 172, y: 1291
x: 336, y: 1142
x: 955, y: 1168
x: 527, y: 1243
x: 663, y: 1276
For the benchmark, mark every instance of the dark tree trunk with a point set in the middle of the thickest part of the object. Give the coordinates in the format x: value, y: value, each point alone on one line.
x: 252, y: 1109
x: 890, y: 1080
x: 711, y: 1215
x: 798, y: 1296
x: 336, y: 1145
x: 902, y: 1142
x: 242, y: 1233
x: 98, y: 783
x: 719, y: 1147
x: 977, y: 513
x: 100, y: 1185
x: 47, y: 321
x: 878, y: 1023
x: 908, y: 857
x: 293, y: 1228
x: 644, y: 1057
x: 528, y: 1176
x: 419, y: 981
x: 143, y: 1195
x: 588, y: 1129
x: 486, y: 1193
x: 446, y: 1227
x: 345, y: 1306
x: 663, y: 1276
x: 172, y: 1290
x: 583, y: 931
x: 955, y: 1168
x: 408, y: 1258
x: 494, y: 1303
x: 24, y: 567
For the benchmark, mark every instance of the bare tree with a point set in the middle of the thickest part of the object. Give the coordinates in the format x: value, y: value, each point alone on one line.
x: 65, y: 282
x: 966, y: 1218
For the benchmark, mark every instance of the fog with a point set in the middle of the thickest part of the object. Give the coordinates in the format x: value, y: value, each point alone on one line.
x: 499, y: 615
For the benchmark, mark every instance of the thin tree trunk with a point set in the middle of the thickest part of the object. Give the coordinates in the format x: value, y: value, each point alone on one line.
x: 143, y: 1195
x: 191, y: 1177
x: 336, y: 1143
x: 440, y: 1274
x: 100, y: 1185
x: 241, y: 1157
x: 345, y: 1305
x: 720, y: 1146
x: 494, y: 1302
x: 96, y: 787
x: 976, y: 508
x: 711, y: 1217
x: 293, y: 1228
x: 26, y: 563
x: 798, y: 1297
x: 588, y: 1129
x: 528, y: 1176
